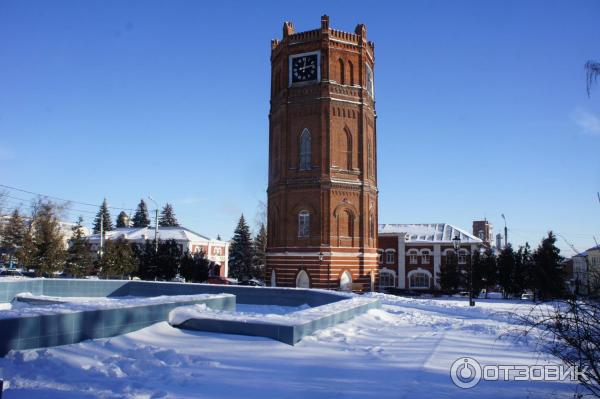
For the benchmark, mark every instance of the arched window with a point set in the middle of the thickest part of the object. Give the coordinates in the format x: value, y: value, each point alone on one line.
x: 341, y: 62
x: 343, y: 152
x: 387, y: 278
x: 303, y: 224
x: 346, y: 281
x: 425, y: 257
x: 344, y: 219
x: 305, y: 150
x: 370, y: 165
x: 302, y: 280
x: 349, y: 223
x: 412, y: 257
x: 351, y: 72
x: 419, y: 279
x: 390, y: 256
x: 347, y: 156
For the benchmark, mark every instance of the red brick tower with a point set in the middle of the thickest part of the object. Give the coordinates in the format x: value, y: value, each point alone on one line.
x: 322, y: 195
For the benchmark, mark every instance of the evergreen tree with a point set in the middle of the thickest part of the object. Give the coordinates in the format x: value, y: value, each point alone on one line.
x: 489, y: 269
x: 548, y: 272
x: 122, y: 220
x: 168, y: 259
x: 506, y: 269
x: 141, y: 218
x: 259, y: 259
x: 523, y: 269
x: 194, y: 268
x: 167, y: 217
x: 14, y: 234
x: 449, y: 277
x: 79, y: 258
x: 147, y: 259
x: 104, y: 215
x: 49, y: 248
x: 118, y: 259
x: 26, y: 253
x: 479, y: 282
x: 240, y: 251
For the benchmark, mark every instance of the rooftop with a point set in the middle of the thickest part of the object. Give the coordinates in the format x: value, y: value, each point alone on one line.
x: 585, y: 253
x: 147, y: 233
x: 429, y: 232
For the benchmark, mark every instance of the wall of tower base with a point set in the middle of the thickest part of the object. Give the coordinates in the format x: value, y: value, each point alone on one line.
x: 325, y: 273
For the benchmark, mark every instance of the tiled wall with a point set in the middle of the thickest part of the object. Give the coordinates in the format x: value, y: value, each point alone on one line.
x: 68, y: 328
x: 109, y: 288
x: 286, y: 333
x: 60, y: 329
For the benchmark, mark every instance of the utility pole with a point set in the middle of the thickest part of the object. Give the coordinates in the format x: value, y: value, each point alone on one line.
x: 505, y: 232
x: 101, y: 235
x: 155, y: 224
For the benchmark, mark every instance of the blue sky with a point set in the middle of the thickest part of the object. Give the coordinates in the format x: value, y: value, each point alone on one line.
x: 482, y: 108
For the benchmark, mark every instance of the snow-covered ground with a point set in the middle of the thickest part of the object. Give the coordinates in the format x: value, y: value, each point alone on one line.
x: 403, y: 350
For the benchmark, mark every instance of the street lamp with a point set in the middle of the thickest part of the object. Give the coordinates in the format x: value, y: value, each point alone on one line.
x: 155, y: 224
x: 505, y: 231
x: 456, y: 243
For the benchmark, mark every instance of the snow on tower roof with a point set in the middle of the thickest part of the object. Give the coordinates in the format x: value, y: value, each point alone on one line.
x: 429, y: 232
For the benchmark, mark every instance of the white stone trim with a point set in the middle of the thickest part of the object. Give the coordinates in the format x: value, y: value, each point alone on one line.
x: 419, y: 270
x: 325, y: 254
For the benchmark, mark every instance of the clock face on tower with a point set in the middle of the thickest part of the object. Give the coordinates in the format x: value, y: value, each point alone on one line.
x: 304, y: 68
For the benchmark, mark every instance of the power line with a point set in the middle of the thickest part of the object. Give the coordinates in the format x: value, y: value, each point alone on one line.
x: 62, y: 199
x: 66, y: 206
x: 12, y: 205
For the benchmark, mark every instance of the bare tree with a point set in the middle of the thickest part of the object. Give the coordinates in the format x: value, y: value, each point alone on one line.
x: 592, y: 71
x: 569, y: 330
x: 261, y: 215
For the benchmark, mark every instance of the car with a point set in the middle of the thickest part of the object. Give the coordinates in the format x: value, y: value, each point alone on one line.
x: 220, y: 280
x: 527, y: 297
x: 11, y: 273
x: 253, y: 282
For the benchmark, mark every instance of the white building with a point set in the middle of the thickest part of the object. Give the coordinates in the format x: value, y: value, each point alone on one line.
x: 216, y: 251
x: 412, y: 255
x: 586, y: 270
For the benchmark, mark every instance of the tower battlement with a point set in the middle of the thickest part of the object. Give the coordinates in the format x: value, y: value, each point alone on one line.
x: 290, y: 36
